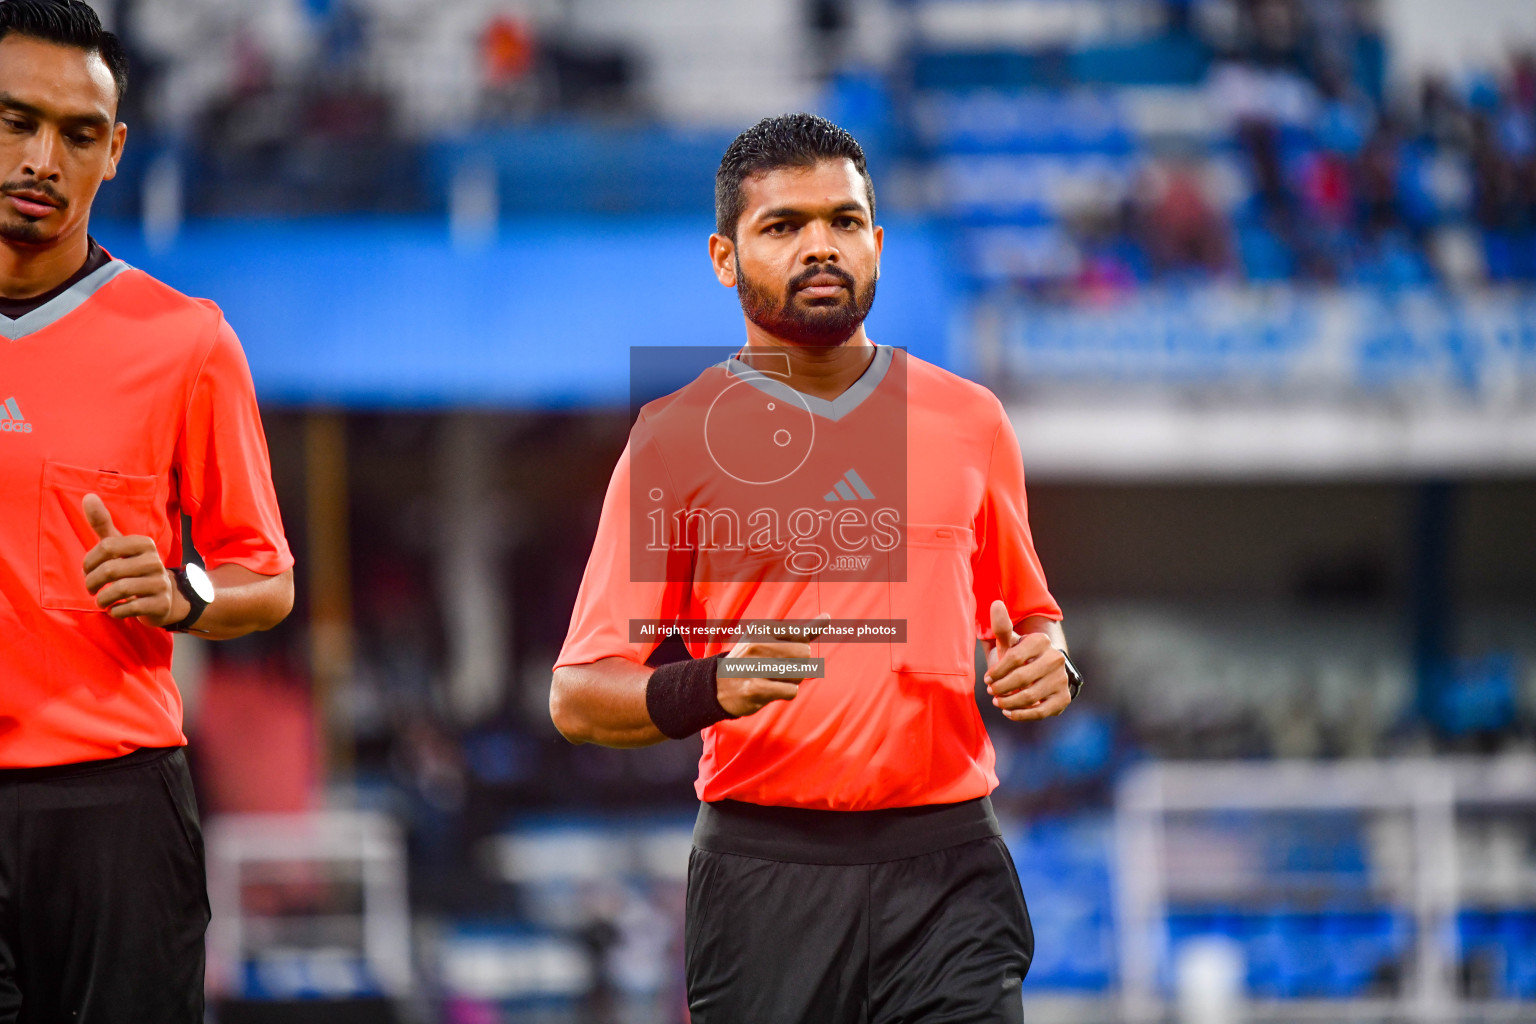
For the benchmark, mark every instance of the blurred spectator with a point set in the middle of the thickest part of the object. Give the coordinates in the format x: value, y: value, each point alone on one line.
x: 592, y: 78
x: 211, y: 51
x: 1442, y: 116
x: 1344, y: 115
x: 829, y: 22
x: 1342, y: 190
x: 1377, y: 175
x: 508, y: 52
x: 1276, y: 28
x: 1323, y: 181
x: 1497, y: 204
x: 507, y: 48
x: 1110, y: 258
x: 1180, y: 228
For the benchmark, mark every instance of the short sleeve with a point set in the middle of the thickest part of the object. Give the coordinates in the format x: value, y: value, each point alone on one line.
x: 225, y: 474
x: 610, y: 595
x: 1005, y: 564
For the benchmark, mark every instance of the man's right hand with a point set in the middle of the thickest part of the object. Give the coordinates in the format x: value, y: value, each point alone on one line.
x: 748, y: 695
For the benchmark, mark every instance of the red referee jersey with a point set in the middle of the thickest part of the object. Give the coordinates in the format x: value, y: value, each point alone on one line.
x: 890, y: 724
x: 123, y: 387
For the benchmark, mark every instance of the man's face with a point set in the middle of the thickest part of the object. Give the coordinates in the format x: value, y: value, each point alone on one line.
x: 58, y: 138
x: 806, y: 254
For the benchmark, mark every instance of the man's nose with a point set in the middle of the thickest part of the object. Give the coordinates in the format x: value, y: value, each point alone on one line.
x: 41, y: 157
x: 819, y: 245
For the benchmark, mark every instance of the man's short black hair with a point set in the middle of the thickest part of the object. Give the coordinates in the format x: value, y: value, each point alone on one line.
x: 789, y: 140
x: 67, y: 23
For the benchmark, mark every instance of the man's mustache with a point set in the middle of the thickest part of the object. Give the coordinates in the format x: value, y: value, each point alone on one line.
x: 803, y: 279
x: 40, y: 187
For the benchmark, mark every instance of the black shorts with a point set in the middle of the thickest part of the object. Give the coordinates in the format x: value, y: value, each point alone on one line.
x: 937, y: 935
x: 103, y: 899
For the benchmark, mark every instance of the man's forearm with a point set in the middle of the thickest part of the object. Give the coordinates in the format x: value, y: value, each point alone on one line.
x: 244, y: 602
x: 603, y: 703
x: 1040, y: 624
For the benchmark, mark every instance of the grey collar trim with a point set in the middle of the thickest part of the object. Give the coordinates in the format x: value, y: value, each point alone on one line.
x: 60, y: 306
x: 833, y: 410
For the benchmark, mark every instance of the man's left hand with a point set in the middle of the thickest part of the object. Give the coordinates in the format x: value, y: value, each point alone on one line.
x: 126, y: 574
x: 1026, y: 675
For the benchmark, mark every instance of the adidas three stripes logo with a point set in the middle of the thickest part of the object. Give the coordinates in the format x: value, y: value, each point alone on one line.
x: 850, y: 488
x: 11, y: 419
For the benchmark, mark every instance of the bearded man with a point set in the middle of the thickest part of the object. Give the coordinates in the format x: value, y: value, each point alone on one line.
x: 856, y: 518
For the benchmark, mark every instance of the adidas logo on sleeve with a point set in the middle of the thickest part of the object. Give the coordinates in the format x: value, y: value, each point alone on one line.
x: 11, y: 419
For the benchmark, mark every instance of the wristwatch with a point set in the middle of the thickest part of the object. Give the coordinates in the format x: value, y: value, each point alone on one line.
x: 1074, y: 677
x: 197, y: 588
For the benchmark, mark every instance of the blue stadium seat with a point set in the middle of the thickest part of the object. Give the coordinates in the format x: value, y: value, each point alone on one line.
x: 1063, y: 867
x: 1022, y: 121
x: 1265, y: 257
x: 999, y: 69
x: 1163, y: 60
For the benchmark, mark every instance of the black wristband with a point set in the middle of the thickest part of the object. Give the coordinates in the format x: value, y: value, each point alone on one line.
x: 682, y: 699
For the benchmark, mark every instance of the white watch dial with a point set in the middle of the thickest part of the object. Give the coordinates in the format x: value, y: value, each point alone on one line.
x: 201, y: 584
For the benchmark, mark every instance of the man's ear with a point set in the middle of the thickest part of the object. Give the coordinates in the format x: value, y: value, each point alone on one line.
x: 119, y: 138
x: 722, y: 255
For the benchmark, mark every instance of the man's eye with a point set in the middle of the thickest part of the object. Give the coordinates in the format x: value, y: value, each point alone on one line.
x: 848, y: 222
x: 82, y: 140
x: 15, y: 125
x: 779, y: 228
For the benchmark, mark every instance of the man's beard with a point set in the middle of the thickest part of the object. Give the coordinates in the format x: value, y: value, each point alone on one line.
x: 820, y: 326
x: 22, y: 231
x: 14, y: 227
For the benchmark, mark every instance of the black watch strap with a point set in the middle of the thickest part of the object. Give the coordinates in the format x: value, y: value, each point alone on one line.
x: 194, y: 599
x: 1074, y: 677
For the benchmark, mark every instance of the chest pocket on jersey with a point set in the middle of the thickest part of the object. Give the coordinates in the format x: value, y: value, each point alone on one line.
x: 937, y: 602
x: 64, y: 536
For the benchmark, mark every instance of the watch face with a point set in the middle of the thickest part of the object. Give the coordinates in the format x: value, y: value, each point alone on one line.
x: 201, y: 584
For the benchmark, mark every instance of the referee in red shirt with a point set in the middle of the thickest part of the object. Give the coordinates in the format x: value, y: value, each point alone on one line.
x: 847, y: 864
x: 123, y: 405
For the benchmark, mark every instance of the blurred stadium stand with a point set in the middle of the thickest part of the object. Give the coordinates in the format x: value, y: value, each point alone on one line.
x: 391, y: 314
x: 1256, y: 278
